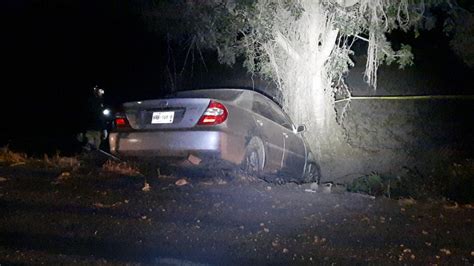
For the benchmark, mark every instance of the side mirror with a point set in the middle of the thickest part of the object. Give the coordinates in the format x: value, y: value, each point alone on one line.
x: 300, y: 128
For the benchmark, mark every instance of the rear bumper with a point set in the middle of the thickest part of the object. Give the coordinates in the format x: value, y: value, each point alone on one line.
x: 205, y: 145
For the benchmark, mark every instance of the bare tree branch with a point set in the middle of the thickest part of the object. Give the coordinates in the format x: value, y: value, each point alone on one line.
x: 280, y: 40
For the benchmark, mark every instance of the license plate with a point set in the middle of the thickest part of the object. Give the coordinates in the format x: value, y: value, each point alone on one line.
x: 162, y: 118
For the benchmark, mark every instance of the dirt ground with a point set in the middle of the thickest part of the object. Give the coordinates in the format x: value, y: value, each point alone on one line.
x: 90, y: 216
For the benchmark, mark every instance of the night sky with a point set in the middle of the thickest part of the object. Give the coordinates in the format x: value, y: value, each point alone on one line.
x: 54, y: 52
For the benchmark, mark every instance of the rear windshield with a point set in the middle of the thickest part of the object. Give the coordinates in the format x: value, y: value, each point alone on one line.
x: 219, y: 94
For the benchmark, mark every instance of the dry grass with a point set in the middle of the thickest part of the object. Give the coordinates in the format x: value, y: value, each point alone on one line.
x: 10, y: 157
x: 122, y: 168
x: 61, y: 161
x: 13, y: 158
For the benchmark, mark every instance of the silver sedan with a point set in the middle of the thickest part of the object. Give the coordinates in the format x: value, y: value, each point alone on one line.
x: 208, y: 127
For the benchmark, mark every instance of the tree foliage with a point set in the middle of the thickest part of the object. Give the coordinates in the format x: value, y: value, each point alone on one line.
x: 236, y: 28
x: 459, y: 26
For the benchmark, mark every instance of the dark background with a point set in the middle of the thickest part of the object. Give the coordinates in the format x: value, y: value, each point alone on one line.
x: 54, y: 52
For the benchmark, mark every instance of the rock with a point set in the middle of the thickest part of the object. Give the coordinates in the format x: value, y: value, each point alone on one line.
x: 445, y: 251
x: 276, y: 243
x: 61, y: 178
x: 181, y: 182
x: 3, y: 179
x: 221, y: 181
x: 64, y: 176
x: 314, y: 186
x: 146, y: 187
x: 327, y: 188
x: 194, y: 159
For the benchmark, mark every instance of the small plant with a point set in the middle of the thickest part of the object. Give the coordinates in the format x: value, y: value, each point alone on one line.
x: 372, y: 184
x: 455, y: 182
x: 459, y: 185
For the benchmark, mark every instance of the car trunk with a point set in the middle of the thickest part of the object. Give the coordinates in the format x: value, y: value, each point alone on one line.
x: 176, y: 113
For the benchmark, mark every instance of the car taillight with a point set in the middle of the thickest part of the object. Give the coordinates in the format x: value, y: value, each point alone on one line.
x: 121, y: 122
x: 215, y: 114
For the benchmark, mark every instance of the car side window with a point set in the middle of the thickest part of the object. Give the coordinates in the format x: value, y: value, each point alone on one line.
x: 282, y: 119
x: 262, y: 109
x: 267, y: 109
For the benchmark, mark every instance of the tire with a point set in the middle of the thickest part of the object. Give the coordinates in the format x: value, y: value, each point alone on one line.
x: 312, y: 173
x: 254, y: 159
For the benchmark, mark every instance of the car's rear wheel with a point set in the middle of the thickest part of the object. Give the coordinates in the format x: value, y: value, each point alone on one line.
x: 254, y: 158
x: 312, y: 174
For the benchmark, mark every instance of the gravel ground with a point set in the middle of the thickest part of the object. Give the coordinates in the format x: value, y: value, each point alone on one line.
x: 90, y: 216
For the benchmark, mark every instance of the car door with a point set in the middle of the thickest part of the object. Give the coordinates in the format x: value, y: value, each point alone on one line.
x: 294, y: 153
x: 270, y: 133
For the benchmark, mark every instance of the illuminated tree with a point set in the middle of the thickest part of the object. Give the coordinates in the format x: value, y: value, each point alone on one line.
x: 305, y: 46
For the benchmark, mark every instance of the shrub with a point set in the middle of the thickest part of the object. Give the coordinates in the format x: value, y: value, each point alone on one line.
x: 455, y: 182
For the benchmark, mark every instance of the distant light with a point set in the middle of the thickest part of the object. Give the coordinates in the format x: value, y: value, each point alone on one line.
x: 106, y: 112
x: 139, y: 102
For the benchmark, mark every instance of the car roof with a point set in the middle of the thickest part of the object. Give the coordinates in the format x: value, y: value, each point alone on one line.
x: 229, y: 90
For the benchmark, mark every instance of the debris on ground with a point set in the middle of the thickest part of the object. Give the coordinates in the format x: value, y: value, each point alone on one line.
x: 181, y: 182
x: 207, y: 183
x: 326, y: 188
x: 17, y: 164
x: 445, y: 251
x: 106, y: 206
x: 194, y: 159
x: 64, y: 176
x: 146, y: 187
x: 453, y: 206
x: 221, y: 181
x: 406, y: 202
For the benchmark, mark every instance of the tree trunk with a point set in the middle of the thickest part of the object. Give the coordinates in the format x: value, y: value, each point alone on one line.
x: 312, y: 104
x: 305, y: 80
